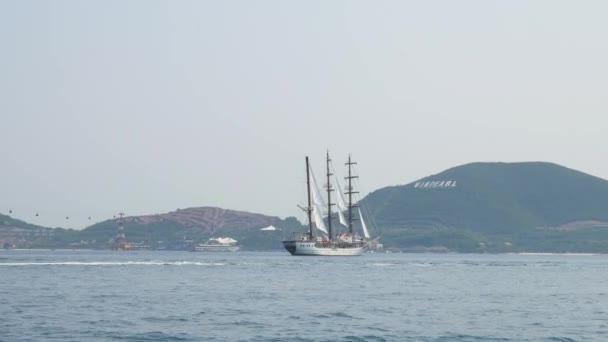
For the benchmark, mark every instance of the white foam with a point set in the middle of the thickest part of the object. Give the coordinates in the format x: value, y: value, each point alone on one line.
x: 561, y: 254
x: 420, y: 264
x: 113, y: 263
x: 383, y: 264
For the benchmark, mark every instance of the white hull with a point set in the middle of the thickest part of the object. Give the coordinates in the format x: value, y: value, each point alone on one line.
x: 216, y: 248
x: 310, y: 248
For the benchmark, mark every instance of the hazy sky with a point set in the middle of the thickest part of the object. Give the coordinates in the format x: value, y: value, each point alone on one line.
x: 148, y: 106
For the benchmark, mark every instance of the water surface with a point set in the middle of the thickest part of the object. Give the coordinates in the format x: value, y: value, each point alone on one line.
x: 248, y: 296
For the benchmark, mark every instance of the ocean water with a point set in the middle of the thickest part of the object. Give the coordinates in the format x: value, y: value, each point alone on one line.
x: 248, y: 296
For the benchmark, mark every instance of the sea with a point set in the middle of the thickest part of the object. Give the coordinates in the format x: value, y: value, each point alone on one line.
x: 273, y: 296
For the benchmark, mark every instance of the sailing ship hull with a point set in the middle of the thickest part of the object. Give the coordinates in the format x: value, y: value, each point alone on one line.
x: 310, y: 248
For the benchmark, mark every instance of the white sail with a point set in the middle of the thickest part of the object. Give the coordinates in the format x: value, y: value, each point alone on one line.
x: 318, y: 218
x: 365, y: 232
x: 340, y: 202
x: 316, y: 194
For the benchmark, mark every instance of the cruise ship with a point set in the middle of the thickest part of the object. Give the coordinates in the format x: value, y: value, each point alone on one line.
x: 222, y: 244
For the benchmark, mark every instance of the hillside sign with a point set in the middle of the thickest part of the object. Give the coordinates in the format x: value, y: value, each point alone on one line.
x: 435, y: 184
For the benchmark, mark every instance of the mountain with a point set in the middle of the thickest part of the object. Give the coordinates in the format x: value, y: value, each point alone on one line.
x: 180, y: 228
x: 174, y: 230
x: 15, y: 232
x: 496, y: 207
x: 478, y: 207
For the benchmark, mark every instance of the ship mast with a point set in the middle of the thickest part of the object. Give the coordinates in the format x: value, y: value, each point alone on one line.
x: 329, y: 204
x: 350, y: 193
x: 309, y: 208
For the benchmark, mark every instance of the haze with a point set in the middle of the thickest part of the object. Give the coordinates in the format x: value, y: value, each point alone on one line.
x: 149, y: 106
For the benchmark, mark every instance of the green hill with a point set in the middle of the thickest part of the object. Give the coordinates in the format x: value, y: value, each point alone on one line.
x: 181, y: 228
x: 496, y: 207
x: 479, y: 207
x: 17, y: 233
x: 9, y: 222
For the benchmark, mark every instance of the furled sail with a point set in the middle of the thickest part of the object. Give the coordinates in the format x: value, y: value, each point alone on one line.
x: 340, y: 202
x: 316, y: 194
x: 318, y: 218
x: 365, y: 232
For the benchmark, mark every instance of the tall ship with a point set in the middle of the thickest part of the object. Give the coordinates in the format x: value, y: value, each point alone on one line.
x: 221, y: 244
x: 323, y: 240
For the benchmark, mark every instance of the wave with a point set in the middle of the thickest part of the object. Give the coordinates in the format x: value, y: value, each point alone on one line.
x: 114, y: 263
x: 560, y: 254
x: 149, y: 336
x: 390, y: 338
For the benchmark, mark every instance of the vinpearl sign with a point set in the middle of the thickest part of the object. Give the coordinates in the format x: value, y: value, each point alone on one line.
x: 435, y: 184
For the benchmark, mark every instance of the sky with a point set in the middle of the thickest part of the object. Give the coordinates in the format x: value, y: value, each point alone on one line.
x: 144, y: 107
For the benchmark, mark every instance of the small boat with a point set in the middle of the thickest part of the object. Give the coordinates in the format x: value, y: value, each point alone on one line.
x: 323, y: 241
x: 222, y: 244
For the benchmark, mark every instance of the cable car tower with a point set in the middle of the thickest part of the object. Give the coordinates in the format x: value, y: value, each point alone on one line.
x: 120, y: 241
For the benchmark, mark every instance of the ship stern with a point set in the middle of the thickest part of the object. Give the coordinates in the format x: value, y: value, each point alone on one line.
x: 290, y: 246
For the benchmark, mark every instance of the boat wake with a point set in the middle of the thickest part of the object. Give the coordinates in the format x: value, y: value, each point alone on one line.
x: 114, y: 263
